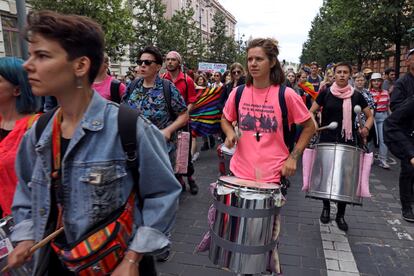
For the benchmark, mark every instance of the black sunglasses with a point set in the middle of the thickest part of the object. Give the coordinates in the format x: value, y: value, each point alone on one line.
x: 145, y: 61
x: 236, y: 72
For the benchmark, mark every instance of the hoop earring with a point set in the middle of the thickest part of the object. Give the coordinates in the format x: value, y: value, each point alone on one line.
x: 79, y: 84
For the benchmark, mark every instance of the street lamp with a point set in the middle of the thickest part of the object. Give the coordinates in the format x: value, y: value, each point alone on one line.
x: 21, y: 22
x: 207, y: 5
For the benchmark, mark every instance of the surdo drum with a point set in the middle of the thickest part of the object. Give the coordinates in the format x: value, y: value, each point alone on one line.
x: 246, y: 226
x: 336, y: 173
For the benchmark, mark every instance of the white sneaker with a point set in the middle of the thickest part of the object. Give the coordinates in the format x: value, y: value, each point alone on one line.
x: 195, y: 157
x: 384, y: 165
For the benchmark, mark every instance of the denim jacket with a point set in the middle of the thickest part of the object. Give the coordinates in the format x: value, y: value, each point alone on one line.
x: 96, y: 181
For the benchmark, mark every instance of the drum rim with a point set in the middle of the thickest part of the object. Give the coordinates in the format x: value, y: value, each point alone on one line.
x: 222, y: 182
x: 339, y: 145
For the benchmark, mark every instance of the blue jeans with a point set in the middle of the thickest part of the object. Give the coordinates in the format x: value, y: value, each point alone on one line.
x: 379, y: 123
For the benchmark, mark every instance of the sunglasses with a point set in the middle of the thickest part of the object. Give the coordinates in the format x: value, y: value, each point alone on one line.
x: 145, y: 61
x: 217, y: 75
x: 236, y: 72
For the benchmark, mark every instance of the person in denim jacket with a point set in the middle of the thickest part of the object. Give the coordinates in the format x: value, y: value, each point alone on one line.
x: 66, y: 52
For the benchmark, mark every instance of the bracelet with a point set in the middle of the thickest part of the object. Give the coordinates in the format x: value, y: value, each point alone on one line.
x: 131, y: 261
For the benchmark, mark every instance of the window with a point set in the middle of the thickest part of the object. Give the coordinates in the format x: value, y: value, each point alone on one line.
x: 11, y: 36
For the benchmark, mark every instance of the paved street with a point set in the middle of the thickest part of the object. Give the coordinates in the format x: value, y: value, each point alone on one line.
x: 378, y: 242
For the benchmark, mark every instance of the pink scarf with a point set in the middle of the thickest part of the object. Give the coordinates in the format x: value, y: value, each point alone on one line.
x: 345, y: 94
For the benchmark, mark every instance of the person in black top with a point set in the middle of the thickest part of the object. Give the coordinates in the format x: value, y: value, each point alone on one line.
x: 338, y: 102
x: 403, y: 90
x: 399, y: 135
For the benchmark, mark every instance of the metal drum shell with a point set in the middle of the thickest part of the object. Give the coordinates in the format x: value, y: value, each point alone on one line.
x: 336, y: 173
x: 243, y: 231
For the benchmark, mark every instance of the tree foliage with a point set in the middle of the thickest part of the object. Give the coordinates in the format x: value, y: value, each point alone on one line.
x: 115, y: 18
x: 150, y: 24
x: 357, y: 30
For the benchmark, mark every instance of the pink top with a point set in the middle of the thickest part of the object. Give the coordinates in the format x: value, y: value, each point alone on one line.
x: 260, y: 112
x: 104, y: 87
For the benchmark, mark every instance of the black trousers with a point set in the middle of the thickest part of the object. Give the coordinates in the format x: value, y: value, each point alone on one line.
x: 341, y: 207
x: 406, y: 184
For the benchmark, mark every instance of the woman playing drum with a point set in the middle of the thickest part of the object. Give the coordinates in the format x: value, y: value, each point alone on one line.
x: 339, y: 102
x: 261, y: 153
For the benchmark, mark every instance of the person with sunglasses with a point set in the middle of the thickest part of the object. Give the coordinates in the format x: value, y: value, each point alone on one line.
x: 217, y: 80
x: 237, y: 78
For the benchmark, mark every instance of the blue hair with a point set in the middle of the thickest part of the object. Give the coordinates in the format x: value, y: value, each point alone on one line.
x: 11, y: 68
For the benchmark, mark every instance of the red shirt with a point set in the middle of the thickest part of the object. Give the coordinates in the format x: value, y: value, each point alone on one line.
x: 382, y: 99
x: 8, y: 151
x: 187, y: 90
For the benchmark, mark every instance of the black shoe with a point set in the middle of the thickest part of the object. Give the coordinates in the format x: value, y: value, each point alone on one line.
x: 205, y: 147
x: 212, y: 141
x: 163, y: 257
x: 193, y: 186
x: 408, y: 215
x: 325, y: 216
x: 340, y: 221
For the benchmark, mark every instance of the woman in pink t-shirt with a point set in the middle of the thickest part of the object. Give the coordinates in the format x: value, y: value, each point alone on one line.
x: 261, y: 153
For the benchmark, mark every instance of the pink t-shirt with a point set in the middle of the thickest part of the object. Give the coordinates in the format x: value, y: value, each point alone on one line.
x: 262, y: 160
x: 104, y: 88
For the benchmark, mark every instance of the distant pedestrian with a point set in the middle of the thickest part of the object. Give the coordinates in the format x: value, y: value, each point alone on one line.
x: 389, y: 79
x: 382, y: 106
x: 314, y: 78
x: 237, y: 75
x: 106, y: 85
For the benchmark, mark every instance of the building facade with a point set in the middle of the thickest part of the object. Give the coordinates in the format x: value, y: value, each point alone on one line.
x: 9, y: 32
x: 204, y: 11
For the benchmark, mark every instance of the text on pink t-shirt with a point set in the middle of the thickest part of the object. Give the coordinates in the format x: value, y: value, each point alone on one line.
x: 262, y: 160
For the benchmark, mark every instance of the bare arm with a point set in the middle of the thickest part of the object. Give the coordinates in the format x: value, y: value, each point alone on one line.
x: 228, y: 130
x: 289, y: 167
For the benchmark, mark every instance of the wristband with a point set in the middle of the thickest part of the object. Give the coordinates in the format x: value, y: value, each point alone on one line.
x: 131, y: 261
x: 367, y: 128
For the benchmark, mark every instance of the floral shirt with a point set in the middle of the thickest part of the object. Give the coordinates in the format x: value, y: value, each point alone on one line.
x: 371, y: 104
x: 152, y: 105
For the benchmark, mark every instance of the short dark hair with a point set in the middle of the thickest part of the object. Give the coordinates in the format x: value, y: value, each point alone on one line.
x: 388, y: 71
x: 153, y: 51
x: 270, y: 47
x: 343, y: 63
x: 78, y: 35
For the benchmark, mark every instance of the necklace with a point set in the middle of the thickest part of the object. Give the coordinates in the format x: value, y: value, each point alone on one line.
x: 258, y: 134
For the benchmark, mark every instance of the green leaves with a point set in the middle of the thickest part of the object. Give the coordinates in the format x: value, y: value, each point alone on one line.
x: 357, y: 30
x: 115, y: 18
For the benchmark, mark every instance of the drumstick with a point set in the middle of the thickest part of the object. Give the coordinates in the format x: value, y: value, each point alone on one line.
x: 38, y: 245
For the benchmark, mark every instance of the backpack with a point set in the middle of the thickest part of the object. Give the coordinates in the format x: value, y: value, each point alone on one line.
x: 289, y: 133
x: 115, y: 85
x: 127, y: 128
x: 166, y: 88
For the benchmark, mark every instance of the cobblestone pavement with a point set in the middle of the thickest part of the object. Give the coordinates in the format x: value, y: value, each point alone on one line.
x: 378, y: 242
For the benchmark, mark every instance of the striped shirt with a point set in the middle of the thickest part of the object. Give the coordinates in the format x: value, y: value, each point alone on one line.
x: 382, y: 99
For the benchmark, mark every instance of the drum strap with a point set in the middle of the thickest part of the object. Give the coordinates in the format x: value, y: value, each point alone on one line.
x: 239, y: 248
x: 245, y: 213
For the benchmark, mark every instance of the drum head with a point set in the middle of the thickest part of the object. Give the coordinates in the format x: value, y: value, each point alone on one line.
x: 238, y: 182
x: 226, y: 150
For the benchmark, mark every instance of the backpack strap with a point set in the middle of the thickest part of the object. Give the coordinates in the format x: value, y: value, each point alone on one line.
x: 186, y: 87
x: 239, y: 93
x: 42, y: 122
x: 127, y: 129
x: 285, y: 122
x: 166, y: 88
x: 115, y: 85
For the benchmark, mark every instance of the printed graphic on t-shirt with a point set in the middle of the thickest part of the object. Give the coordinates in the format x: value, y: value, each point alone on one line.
x: 258, y: 118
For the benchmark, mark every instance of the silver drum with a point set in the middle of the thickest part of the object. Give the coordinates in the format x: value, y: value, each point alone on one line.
x: 336, y: 172
x: 242, y: 236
